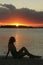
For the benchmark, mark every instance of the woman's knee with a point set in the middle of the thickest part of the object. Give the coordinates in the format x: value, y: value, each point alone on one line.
x: 23, y: 48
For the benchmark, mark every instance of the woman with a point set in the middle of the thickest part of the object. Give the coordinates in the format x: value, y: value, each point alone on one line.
x: 21, y: 53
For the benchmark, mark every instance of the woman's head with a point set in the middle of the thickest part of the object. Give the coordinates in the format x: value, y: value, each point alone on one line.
x: 12, y: 40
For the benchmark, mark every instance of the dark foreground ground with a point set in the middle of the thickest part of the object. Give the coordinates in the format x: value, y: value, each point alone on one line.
x: 22, y: 61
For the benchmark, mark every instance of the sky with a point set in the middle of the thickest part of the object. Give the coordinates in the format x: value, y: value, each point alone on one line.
x: 22, y: 12
x: 32, y: 4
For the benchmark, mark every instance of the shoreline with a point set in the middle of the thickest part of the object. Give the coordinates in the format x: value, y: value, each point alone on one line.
x: 22, y: 61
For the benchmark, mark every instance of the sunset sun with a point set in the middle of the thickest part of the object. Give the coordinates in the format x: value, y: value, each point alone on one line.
x: 17, y: 25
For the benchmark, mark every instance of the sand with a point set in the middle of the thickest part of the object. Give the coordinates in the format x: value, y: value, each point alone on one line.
x: 22, y: 61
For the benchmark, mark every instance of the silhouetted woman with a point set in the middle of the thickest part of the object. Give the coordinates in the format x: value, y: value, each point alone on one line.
x: 17, y: 54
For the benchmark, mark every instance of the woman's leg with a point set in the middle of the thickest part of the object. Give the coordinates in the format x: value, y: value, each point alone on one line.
x: 23, y: 51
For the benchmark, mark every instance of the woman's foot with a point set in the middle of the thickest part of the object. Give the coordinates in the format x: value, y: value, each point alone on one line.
x: 34, y: 56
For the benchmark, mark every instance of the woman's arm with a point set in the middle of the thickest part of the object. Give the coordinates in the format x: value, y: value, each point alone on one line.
x: 8, y: 50
x: 7, y: 53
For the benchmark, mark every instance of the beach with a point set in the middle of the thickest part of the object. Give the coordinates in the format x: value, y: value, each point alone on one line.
x: 22, y: 61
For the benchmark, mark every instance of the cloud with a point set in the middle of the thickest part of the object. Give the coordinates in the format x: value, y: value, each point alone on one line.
x: 8, y: 12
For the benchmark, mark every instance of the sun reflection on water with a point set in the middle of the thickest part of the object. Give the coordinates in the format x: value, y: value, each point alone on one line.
x: 17, y: 44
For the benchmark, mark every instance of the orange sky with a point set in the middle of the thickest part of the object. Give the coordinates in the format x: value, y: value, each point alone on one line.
x: 20, y: 22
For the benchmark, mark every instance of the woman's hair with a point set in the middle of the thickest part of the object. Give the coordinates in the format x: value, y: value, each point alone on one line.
x: 12, y: 39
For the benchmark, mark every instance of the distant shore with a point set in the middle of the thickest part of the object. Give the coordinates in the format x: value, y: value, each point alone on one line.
x: 10, y: 26
x: 22, y: 61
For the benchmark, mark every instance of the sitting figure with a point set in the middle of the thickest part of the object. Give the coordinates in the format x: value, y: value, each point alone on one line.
x: 18, y: 54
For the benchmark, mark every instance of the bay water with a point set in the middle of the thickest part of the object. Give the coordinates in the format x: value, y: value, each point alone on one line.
x: 32, y: 39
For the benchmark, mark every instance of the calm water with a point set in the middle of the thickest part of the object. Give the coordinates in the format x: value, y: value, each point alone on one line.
x: 32, y: 39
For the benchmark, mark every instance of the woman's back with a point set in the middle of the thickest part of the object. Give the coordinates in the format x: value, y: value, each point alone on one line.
x: 13, y: 49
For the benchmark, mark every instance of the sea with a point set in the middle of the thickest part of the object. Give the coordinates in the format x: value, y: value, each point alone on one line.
x: 30, y: 38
